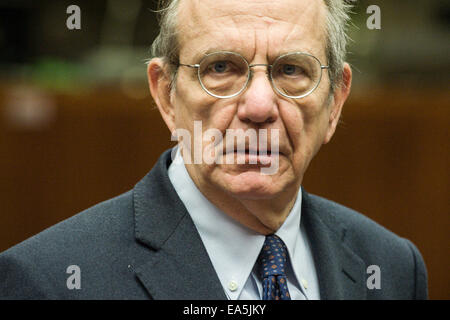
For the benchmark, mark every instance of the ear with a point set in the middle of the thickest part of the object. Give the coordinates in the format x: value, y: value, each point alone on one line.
x: 339, y: 96
x: 159, y: 83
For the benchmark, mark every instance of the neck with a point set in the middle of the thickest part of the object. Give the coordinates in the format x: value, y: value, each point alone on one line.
x: 264, y: 216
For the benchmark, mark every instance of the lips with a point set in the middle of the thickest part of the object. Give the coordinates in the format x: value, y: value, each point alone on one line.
x: 250, y: 157
x: 251, y: 146
x: 253, y: 152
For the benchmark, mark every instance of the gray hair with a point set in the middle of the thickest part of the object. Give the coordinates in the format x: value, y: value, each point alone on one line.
x: 166, y: 43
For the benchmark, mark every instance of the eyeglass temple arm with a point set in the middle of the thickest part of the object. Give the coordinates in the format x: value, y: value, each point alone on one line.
x: 189, y: 65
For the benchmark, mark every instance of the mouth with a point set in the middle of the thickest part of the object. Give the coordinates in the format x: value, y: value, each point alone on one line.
x: 251, y: 157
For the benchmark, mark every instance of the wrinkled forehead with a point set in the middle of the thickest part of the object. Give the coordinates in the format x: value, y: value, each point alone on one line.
x: 281, y: 24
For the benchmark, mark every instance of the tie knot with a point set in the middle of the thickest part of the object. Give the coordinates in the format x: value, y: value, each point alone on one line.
x: 272, y: 258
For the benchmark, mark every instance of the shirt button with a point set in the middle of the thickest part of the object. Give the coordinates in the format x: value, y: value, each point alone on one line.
x: 232, y: 285
x: 305, y: 284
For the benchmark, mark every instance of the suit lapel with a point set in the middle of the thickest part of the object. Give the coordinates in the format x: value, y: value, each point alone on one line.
x: 178, y: 266
x: 340, y: 271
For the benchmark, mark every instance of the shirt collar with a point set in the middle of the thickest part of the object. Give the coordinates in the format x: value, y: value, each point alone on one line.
x: 232, y: 248
x: 289, y: 232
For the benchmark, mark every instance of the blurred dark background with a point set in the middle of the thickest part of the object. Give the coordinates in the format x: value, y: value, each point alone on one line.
x: 78, y: 126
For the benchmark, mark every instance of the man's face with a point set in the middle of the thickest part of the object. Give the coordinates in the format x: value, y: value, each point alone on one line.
x: 260, y: 31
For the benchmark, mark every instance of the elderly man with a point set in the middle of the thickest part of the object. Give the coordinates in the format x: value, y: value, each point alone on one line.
x: 221, y: 217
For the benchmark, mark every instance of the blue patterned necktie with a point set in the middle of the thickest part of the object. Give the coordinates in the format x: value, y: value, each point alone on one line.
x: 272, y: 265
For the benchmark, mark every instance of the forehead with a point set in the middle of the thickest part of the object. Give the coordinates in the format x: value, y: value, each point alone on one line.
x: 251, y: 26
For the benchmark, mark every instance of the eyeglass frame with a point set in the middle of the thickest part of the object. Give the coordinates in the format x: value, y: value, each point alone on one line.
x: 249, y: 75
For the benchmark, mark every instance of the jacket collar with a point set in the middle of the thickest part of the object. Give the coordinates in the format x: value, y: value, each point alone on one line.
x: 341, y: 272
x: 178, y: 266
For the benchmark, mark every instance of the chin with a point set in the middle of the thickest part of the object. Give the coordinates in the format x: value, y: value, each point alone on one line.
x: 252, y: 185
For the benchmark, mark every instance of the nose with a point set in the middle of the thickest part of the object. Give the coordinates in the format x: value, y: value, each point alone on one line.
x: 258, y: 103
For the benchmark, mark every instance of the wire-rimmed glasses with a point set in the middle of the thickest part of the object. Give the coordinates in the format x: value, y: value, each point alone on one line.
x: 226, y: 74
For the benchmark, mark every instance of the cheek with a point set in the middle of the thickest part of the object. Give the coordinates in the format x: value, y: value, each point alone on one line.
x: 305, y: 124
x: 188, y: 101
x: 293, y: 120
x: 191, y: 104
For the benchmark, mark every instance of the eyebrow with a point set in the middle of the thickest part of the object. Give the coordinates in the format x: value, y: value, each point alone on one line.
x: 200, y: 55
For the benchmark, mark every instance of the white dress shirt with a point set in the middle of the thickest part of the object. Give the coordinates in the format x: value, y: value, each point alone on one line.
x: 233, y: 248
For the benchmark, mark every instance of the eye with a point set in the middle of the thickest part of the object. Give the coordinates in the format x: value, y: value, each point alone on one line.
x: 291, y: 70
x: 219, y: 66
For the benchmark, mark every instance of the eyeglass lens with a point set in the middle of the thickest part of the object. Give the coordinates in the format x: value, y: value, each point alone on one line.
x: 223, y: 74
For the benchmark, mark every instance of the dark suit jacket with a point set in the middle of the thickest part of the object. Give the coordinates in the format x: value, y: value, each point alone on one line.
x: 144, y: 245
